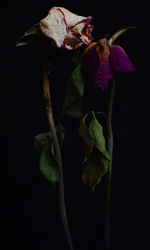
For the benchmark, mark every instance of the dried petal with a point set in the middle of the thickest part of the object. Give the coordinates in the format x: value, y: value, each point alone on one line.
x: 100, y: 62
x: 91, y: 66
x: 54, y: 26
x: 97, y: 68
x: 66, y: 29
x: 119, y: 60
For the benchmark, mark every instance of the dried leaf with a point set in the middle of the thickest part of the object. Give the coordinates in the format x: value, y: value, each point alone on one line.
x: 118, y: 33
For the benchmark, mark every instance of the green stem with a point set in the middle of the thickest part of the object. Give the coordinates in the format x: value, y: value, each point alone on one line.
x: 47, y: 99
x: 109, y: 173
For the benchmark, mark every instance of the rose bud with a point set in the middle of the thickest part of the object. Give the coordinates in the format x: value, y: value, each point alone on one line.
x: 66, y: 29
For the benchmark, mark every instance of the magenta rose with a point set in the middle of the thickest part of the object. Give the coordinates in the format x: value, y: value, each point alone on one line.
x: 66, y: 29
x: 102, y: 60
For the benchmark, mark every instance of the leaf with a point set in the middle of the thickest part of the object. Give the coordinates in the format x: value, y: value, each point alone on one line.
x: 24, y: 40
x: 96, y: 161
x: 96, y: 132
x: 41, y: 140
x: 95, y: 168
x: 48, y: 161
x: 48, y: 165
x: 74, y: 92
x: 84, y: 134
x: 118, y: 33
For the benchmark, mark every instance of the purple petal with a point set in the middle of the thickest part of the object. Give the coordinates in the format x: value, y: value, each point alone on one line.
x: 96, y: 73
x: 90, y: 66
x: 119, y: 60
x: 105, y: 74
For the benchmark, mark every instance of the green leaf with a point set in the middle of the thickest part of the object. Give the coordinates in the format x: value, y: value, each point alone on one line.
x: 84, y: 134
x: 96, y: 161
x: 95, y: 167
x: 24, y: 40
x: 48, y: 161
x: 41, y: 140
x: 74, y: 92
x: 118, y: 33
x: 48, y: 165
x: 96, y: 132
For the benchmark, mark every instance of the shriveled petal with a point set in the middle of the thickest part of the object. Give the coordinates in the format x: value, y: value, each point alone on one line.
x: 91, y: 66
x: 78, y: 35
x: 54, y: 26
x: 73, y: 19
x: 119, y: 60
x: 105, y: 72
x: 66, y: 29
x: 97, y: 70
x: 79, y: 30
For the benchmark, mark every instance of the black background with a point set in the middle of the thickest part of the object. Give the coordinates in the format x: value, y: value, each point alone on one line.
x: 30, y: 212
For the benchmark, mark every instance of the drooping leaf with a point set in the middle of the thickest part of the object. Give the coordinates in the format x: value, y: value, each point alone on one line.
x: 84, y: 134
x: 42, y: 139
x: 96, y: 132
x: 48, y: 161
x: 74, y: 92
x: 25, y: 39
x: 118, y: 33
x: 48, y: 164
x: 96, y: 161
x: 95, y: 167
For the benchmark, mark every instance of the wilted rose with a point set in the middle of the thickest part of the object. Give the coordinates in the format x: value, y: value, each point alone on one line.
x: 66, y: 29
x: 102, y: 60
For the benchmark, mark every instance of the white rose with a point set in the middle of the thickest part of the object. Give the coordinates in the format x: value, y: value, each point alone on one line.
x: 66, y: 29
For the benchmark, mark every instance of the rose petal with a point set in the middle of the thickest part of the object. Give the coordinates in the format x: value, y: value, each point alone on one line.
x: 90, y: 66
x: 72, y: 19
x: 54, y: 26
x: 97, y: 72
x: 119, y: 60
x: 78, y: 35
x: 66, y: 29
x: 105, y: 74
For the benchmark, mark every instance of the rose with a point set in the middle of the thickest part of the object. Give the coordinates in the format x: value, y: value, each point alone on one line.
x: 66, y: 29
x: 102, y: 60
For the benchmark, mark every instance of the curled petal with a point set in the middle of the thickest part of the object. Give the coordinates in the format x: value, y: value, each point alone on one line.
x: 72, y: 19
x: 66, y: 29
x: 105, y: 72
x: 54, y: 26
x: 91, y: 66
x: 97, y: 68
x: 119, y: 60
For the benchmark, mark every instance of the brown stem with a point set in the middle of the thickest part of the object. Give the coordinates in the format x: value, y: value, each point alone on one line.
x: 47, y: 99
x: 109, y: 173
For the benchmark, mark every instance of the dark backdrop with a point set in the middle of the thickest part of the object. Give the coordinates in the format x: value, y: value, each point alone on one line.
x: 30, y: 213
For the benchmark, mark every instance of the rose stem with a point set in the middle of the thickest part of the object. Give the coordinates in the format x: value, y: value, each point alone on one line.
x: 109, y: 173
x: 47, y: 100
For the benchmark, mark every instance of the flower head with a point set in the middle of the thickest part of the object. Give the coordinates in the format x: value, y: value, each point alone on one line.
x: 66, y: 29
x: 102, y: 60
